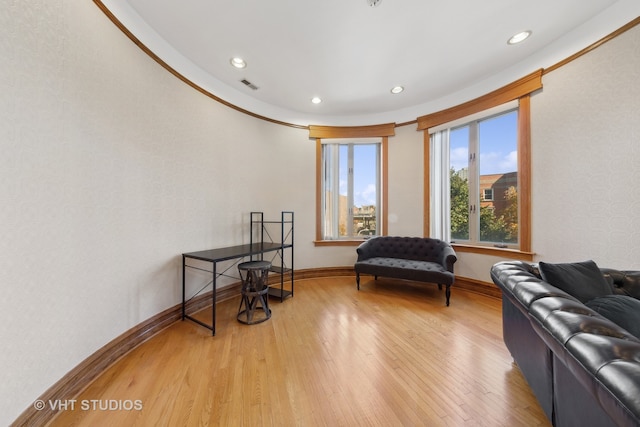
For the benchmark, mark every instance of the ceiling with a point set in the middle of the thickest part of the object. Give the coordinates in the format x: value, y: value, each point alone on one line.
x: 351, y: 54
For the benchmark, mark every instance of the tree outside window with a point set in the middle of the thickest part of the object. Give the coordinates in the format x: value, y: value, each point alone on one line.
x: 483, y: 157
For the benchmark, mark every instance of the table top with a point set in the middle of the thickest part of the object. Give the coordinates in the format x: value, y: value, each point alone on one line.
x: 231, y: 252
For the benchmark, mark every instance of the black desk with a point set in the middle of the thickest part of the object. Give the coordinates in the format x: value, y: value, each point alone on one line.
x: 214, y: 256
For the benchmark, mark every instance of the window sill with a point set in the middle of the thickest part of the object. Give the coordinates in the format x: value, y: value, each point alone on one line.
x: 493, y: 251
x: 339, y: 242
x: 483, y: 250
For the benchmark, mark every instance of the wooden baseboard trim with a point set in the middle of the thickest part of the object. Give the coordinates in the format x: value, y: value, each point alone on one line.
x: 468, y: 284
x: 313, y: 273
x: 88, y: 370
x: 472, y: 285
x: 477, y: 286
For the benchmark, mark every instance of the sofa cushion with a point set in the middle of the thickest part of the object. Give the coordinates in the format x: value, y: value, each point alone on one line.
x: 583, y: 280
x: 622, y: 310
x: 406, y: 269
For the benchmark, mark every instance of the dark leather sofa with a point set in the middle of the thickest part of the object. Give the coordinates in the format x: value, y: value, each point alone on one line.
x: 583, y: 368
x: 421, y: 259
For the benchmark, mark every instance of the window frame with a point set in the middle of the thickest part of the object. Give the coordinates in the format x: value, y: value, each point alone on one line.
x: 519, y: 90
x: 476, y: 193
x: 319, y: 133
x: 332, y: 152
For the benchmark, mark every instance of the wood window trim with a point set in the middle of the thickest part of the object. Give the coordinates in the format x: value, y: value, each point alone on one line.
x: 374, y: 131
x: 524, y: 172
x: 515, y: 90
x: 327, y: 132
x: 520, y: 90
x: 507, y: 253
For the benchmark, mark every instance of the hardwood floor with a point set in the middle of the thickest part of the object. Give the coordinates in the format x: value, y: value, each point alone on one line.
x: 387, y: 355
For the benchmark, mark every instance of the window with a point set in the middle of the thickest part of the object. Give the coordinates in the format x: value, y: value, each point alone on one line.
x: 437, y: 195
x: 368, y: 219
x: 350, y: 190
x: 480, y: 156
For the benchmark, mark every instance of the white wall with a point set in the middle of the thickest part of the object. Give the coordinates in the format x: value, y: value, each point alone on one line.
x: 585, y: 153
x: 111, y: 168
x: 406, y: 182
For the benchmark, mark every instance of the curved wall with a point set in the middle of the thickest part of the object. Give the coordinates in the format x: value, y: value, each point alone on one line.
x: 585, y: 151
x: 111, y: 168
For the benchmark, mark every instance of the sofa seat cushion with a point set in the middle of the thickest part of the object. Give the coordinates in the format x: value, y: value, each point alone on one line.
x: 622, y: 310
x: 405, y: 269
x: 583, y: 280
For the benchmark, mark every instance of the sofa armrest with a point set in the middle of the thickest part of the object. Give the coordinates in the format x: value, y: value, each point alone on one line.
x: 625, y: 282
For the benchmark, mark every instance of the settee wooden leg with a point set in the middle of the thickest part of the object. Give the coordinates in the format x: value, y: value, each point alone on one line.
x: 439, y: 286
x: 448, y: 294
x: 358, y: 280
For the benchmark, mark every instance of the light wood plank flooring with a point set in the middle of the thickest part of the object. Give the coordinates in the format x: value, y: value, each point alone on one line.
x: 387, y: 355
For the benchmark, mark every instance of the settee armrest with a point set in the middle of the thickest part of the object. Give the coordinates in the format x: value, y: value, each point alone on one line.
x: 365, y: 250
x: 448, y: 257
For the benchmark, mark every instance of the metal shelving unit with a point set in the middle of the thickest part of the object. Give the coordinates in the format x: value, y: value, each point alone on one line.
x: 263, y: 232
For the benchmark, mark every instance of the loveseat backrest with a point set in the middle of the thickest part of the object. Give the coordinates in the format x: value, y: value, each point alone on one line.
x: 414, y: 248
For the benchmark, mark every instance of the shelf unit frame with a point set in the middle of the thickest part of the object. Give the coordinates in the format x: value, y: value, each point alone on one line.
x: 282, y: 262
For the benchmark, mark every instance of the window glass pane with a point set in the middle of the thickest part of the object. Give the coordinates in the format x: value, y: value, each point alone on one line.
x: 459, y: 182
x: 351, y: 174
x: 498, y: 168
x: 343, y: 201
x: 479, y: 203
x: 330, y: 191
x: 365, y: 196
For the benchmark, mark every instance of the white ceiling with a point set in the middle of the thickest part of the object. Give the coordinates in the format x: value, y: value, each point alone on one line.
x: 351, y: 55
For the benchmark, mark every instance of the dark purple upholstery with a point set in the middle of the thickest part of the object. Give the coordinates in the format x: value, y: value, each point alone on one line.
x: 411, y: 258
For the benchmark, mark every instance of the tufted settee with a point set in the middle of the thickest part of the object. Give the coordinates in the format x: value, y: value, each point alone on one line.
x: 583, y: 368
x: 412, y: 258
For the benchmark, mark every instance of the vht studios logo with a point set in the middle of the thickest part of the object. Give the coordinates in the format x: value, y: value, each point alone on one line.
x: 89, y: 405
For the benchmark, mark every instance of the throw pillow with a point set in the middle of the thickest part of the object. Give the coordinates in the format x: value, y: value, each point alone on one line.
x: 622, y: 310
x: 582, y: 280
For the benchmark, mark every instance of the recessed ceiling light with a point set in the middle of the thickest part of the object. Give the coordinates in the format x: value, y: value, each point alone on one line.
x: 520, y: 37
x: 397, y: 89
x: 316, y: 100
x: 238, y: 62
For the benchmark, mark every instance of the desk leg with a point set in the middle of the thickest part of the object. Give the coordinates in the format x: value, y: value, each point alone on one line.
x: 183, y: 288
x: 213, y: 308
